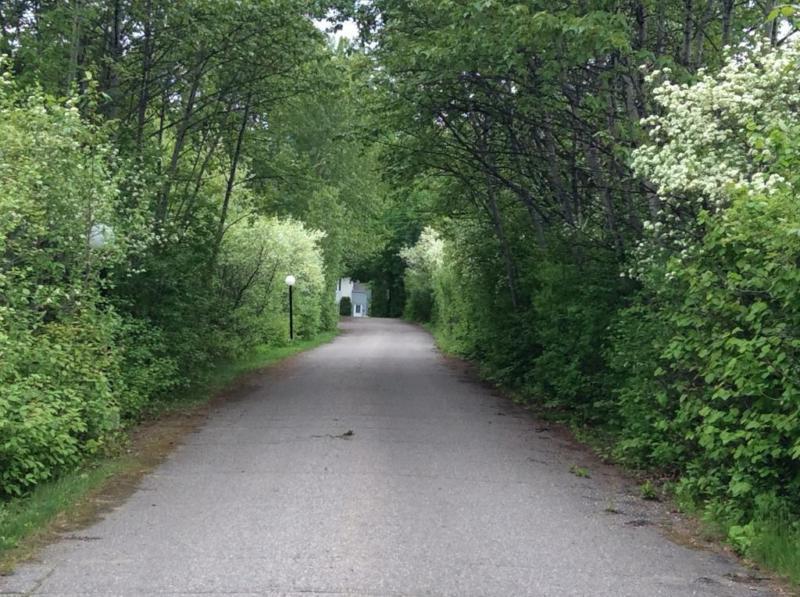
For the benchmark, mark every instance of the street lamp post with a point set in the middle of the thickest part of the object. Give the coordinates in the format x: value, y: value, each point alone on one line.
x: 290, y: 280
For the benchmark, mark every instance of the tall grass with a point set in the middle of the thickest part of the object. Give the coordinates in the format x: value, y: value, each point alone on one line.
x: 776, y: 546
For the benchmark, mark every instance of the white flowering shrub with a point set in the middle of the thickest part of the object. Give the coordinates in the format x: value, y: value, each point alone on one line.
x: 423, y: 261
x: 710, y: 387
x: 257, y: 255
x: 718, y: 137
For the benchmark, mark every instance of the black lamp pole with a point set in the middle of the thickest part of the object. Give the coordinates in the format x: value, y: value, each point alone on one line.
x: 290, y: 281
x: 291, y: 316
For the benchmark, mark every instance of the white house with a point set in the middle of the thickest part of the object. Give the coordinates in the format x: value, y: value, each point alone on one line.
x: 344, y: 288
x: 358, y: 293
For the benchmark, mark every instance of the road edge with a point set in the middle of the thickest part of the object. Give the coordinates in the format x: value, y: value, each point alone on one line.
x: 78, y: 499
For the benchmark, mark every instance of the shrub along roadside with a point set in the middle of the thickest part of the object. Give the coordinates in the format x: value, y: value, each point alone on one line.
x: 69, y: 502
x: 773, y: 539
x: 82, y: 355
x: 345, y: 307
x: 59, y: 399
x: 689, y: 357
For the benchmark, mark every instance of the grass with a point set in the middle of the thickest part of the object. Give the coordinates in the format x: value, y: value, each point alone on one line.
x: 777, y: 546
x: 23, y: 517
x: 226, y: 372
x: 446, y: 345
x: 647, y: 491
x: 580, y: 471
x: 71, y: 501
x: 265, y: 355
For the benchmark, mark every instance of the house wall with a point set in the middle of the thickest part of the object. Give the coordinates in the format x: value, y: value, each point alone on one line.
x: 344, y: 288
x: 359, y: 294
x: 360, y: 299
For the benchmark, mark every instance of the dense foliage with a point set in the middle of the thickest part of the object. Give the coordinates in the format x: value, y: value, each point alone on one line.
x: 596, y: 201
x: 717, y: 315
x: 614, y: 191
x: 163, y: 167
x: 345, y: 306
x: 57, y: 333
x: 256, y: 257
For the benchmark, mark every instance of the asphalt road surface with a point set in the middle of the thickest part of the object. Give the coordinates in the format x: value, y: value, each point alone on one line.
x: 373, y: 466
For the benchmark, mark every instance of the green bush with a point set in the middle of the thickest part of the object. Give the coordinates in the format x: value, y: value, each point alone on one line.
x: 706, y: 357
x: 717, y: 391
x: 145, y: 368
x: 78, y: 357
x: 573, y: 303
x: 56, y: 401
x: 550, y: 346
x: 256, y: 257
x: 691, y: 357
x: 423, y: 261
x: 57, y: 332
x: 345, y: 306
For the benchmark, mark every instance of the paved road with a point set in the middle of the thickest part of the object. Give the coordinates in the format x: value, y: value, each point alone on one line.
x: 442, y: 489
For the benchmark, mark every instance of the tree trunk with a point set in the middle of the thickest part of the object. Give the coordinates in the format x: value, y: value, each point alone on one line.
x: 640, y: 16
x: 113, y: 51
x: 727, y: 19
x: 508, y: 259
x: 144, y: 89
x: 180, y: 140
x: 75, y: 44
x: 686, y: 46
x: 237, y: 152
